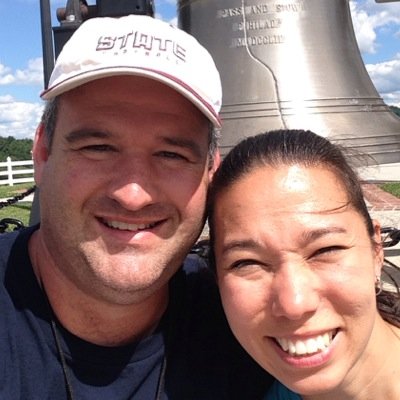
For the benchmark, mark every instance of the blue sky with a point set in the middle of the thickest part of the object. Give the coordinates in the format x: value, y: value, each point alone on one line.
x: 377, y: 28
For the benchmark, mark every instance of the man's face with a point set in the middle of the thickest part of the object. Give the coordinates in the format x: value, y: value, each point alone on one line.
x: 123, y: 186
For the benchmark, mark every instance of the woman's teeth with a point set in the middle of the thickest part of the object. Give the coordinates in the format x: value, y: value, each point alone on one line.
x: 308, y: 346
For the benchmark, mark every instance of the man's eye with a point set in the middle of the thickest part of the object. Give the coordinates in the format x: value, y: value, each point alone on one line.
x: 172, y: 155
x: 98, y: 148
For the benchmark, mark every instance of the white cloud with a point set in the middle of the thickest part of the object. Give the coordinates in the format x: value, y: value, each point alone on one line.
x: 6, y: 99
x: 368, y: 18
x: 19, y: 119
x: 393, y: 98
x: 386, y: 78
x: 5, y: 75
x: 32, y: 75
x: 363, y: 28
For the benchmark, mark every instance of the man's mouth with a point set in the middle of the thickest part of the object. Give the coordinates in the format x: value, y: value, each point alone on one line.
x: 311, y: 345
x: 123, y: 226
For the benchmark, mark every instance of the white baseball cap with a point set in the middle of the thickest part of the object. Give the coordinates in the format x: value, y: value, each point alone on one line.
x: 142, y: 46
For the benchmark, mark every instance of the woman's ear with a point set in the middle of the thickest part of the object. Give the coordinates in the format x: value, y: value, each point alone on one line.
x: 378, y: 248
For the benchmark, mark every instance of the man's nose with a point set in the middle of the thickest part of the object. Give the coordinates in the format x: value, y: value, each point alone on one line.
x: 295, y: 294
x: 136, y: 185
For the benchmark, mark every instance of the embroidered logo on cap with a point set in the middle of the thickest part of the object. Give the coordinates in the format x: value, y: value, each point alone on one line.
x: 151, y: 44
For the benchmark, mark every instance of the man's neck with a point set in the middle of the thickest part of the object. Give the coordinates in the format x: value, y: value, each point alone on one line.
x: 92, y: 319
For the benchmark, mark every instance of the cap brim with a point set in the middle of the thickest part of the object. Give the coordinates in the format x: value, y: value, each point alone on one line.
x: 77, y: 80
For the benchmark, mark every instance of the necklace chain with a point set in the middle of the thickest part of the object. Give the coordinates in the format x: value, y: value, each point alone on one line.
x: 66, y: 371
x: 67, y: 379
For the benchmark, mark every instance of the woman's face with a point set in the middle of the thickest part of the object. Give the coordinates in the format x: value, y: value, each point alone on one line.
x: 297, y: 269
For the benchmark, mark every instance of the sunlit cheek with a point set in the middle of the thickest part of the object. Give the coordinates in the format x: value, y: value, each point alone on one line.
x: 355, y: 269
x: 191, y: 205
x: 79, y: 184
x: 189, y: 188
x: 231, y: 292
x: 244, y: 301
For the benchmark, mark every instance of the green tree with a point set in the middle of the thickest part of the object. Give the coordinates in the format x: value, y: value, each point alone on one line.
x: 396, y: 110
x: 17, y: 149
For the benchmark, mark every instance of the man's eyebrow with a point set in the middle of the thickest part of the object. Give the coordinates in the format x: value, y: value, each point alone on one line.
x: 76, y: 136
x: 184, y: 143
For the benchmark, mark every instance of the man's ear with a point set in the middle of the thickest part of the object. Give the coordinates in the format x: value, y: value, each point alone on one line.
x: 215, y: 164
x: 378, y: 248
x: 40, y: 153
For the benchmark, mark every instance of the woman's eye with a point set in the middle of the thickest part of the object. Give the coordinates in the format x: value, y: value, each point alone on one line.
x: 244, y: 263
x: 328, y: 250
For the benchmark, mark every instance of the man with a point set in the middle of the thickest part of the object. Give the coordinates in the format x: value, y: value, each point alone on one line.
x: 94, y: 305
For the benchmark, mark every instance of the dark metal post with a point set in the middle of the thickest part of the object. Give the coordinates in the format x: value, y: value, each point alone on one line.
x: 47, y: 40
x: 74, y: 11
x: 48, y: 65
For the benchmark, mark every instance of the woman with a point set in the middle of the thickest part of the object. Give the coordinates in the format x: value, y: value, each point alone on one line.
x: 298, y: 262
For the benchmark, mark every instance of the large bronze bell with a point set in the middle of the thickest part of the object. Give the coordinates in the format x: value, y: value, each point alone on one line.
x: 293, y: 64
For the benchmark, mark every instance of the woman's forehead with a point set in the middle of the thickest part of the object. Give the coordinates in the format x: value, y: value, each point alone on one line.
x: 282, y: 180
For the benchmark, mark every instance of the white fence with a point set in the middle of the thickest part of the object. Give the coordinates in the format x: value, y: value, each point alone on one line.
x: 10, y: 169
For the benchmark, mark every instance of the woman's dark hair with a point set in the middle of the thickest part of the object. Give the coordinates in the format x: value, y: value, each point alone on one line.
x: 290, y: 147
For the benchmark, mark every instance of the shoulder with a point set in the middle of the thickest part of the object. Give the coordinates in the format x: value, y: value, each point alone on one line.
x: 194, y: 264
x: 14, y: 251
x: 7, y: 242
x: 194, y: 289
x: 197, y: 285
x: 214, y: 362
x: 280, y: 392
x: 14, y: 261
x: 197, y: 272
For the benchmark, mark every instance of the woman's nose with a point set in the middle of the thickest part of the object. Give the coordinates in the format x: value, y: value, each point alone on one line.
x: 295, y: 293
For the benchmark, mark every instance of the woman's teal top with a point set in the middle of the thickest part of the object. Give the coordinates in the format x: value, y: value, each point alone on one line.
x: 280, y: 392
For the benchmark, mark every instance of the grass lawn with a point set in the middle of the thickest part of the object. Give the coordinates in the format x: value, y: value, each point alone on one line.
x: 392, y: 188
x: 20, y: 210
x: 10, y: 191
